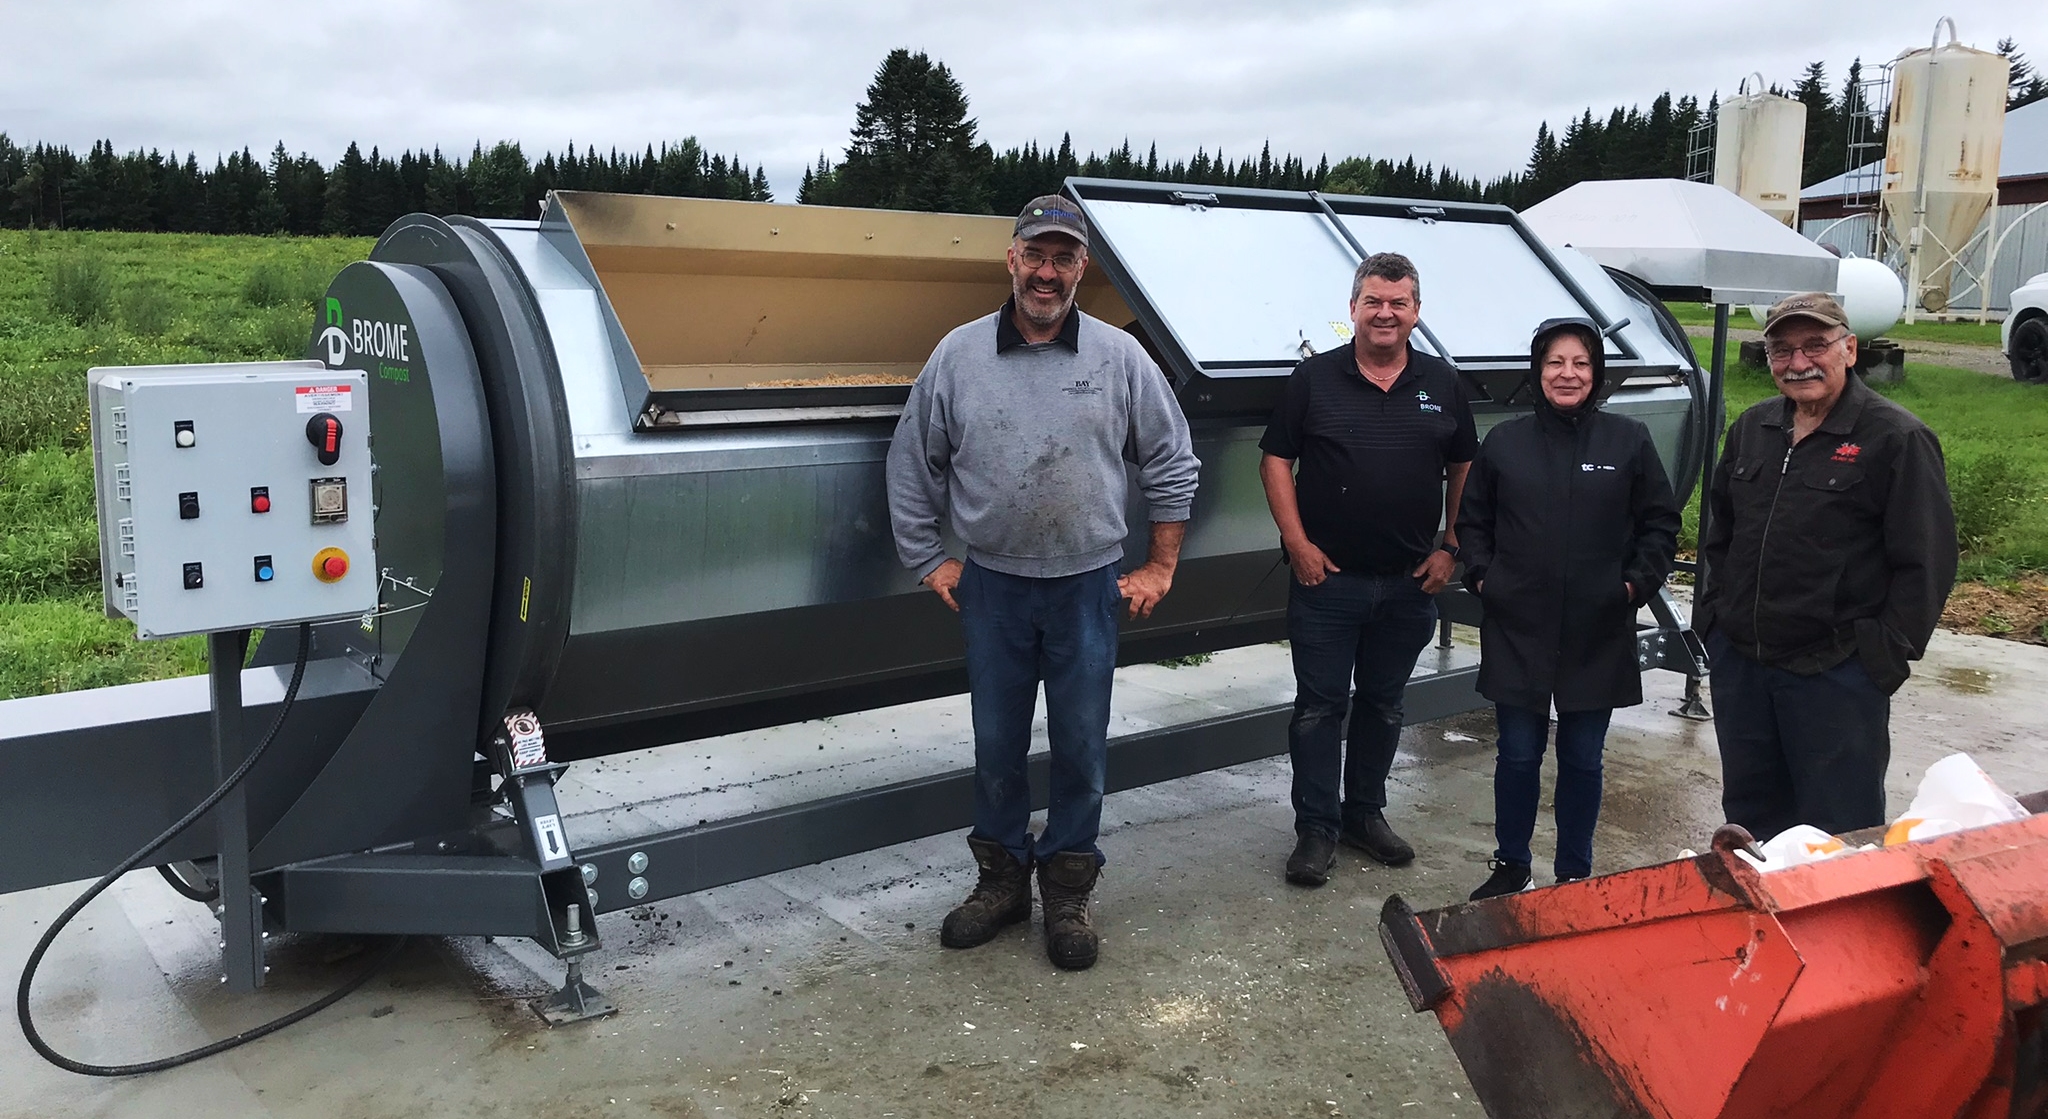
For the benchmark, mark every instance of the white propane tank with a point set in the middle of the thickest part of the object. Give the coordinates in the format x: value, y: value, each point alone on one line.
x: 1872, y: 296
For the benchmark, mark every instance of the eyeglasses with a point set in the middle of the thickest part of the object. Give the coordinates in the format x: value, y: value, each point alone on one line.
x: 1063, y: 263
x: 1375, y: 304
x: 1815, y: 350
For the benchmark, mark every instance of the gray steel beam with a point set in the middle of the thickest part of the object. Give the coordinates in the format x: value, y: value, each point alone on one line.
x: 684, y: 861
x: 429, y: 895
x: 92, y: 775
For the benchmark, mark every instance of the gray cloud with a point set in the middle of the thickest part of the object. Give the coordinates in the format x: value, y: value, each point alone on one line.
x: 1458, y: 83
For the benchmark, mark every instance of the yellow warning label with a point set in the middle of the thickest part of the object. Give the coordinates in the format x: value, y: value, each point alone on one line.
x: 525, y: 596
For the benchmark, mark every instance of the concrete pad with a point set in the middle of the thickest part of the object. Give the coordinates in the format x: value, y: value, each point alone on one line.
x: 823, y: 991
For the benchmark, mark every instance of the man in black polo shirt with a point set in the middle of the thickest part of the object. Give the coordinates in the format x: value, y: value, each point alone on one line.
x: 1382, y: 436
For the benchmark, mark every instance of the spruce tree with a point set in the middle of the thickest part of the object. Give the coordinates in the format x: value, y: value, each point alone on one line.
x: 913, y: 145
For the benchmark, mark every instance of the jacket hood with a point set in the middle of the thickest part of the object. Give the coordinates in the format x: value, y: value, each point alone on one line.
x: 1590, y: 335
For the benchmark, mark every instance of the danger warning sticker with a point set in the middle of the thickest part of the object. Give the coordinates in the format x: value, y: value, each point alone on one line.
x: 325, y: 398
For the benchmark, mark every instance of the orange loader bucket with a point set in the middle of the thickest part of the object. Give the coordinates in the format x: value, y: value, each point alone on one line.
x: 1910, y: 981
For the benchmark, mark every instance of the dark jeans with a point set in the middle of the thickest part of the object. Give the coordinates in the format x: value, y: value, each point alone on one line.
x: 1518, y: 784
x: 1350, y: 628
x: 1021, y: 631
x: 1799, y: 749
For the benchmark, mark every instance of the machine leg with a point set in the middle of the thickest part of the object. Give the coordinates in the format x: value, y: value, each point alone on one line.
x: 1692, y: 707
x: 577, y: 1001
x: 240, y: 908
x: 1443, y: 633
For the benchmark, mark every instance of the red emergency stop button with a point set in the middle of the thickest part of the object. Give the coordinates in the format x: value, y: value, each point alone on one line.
x: 259, y: 499
x: 330, y: 564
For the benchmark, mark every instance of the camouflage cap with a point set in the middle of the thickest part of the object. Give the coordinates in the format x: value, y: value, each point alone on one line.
x: 1816, y: 305
x: 1052, y: 214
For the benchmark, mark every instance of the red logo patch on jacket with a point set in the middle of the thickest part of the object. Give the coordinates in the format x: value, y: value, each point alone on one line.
x: 1847, y: 452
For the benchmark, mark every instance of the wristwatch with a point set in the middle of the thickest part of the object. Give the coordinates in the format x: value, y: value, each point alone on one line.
x: 1447, y: 547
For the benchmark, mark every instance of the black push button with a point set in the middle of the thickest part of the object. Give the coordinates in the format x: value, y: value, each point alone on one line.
x: 188, y: 505
x: 194, y: 577
x: 265, y: 570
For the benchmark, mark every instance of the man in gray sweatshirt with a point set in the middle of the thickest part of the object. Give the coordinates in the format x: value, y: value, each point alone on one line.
x: 1017, y: 435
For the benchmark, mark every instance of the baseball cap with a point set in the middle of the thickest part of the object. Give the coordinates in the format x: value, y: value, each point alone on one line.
x: 1051, y: 213
x: 1816, y: 305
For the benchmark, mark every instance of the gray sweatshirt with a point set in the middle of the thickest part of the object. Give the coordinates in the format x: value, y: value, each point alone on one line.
x: 1023, y: 451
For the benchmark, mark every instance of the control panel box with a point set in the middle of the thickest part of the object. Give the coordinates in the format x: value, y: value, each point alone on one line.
x: 233, y: 496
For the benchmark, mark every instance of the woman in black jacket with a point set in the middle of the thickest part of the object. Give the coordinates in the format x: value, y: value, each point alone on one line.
x: 1568, y: 525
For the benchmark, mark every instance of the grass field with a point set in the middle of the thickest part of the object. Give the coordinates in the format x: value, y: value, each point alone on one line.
x: 1953, y: 333
x: 1978, y: 417
x: 71, y: 301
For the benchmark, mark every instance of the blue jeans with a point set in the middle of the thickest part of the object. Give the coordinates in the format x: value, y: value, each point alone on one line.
x: 1799, y: 749
x: 1518, y: 784
x: 1362, y: 629
x: 1021, y: 631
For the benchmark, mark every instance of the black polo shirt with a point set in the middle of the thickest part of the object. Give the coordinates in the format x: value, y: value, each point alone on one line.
x: 1370, y: 463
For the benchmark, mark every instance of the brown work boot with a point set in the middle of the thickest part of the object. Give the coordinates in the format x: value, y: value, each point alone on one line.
x: 1064, y: 882
x: 1002, y: 898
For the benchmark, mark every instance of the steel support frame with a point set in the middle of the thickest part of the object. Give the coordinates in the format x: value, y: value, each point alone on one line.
x: 240, y: 907
x: 670, y: 864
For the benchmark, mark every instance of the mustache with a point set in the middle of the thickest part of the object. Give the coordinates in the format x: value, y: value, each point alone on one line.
x: 1810, y: 375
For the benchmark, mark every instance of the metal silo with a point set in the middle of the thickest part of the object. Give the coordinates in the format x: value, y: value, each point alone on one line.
x: 1760, y: 147
x: 1941, y: 159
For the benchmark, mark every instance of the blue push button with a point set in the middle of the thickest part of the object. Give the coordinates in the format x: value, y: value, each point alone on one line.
x: 265, y: 571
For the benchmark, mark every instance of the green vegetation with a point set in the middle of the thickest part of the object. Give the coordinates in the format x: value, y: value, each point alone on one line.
x: 1191, y: 660
x: 1994, y: 433
x: 1970, y: 333
x: 181, y: 298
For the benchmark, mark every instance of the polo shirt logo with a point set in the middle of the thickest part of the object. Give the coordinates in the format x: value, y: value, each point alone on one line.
x: 1083, y: 387
x: 1847, y: 452
x: 1589, y: 467
x: 1422, y: 401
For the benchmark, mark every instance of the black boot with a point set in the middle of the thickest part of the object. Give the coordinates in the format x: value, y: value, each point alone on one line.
x: 1508, y: 878
x: 1064, y: 882
x: 1373, y: 836
x: 1310, y: 863
x: 1002, y: 898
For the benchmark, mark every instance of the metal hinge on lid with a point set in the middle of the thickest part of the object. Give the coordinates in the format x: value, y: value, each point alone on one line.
x: 1194, y: 200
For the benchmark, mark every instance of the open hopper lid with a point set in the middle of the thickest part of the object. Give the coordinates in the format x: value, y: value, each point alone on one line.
x: 1235, y: 285
x: 1685, y: 240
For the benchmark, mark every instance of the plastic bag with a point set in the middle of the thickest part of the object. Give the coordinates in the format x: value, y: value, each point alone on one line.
x: 1955, y: 794
x: 1796, y: 846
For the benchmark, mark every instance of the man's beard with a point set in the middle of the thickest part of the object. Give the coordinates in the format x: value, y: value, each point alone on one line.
x: 1020, y: 289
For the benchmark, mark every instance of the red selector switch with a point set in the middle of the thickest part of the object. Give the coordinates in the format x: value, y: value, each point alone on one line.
x: 324, y: 432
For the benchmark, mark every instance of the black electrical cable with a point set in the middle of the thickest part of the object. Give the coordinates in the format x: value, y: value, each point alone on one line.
x: 172, y: 880
x: 35, y: 958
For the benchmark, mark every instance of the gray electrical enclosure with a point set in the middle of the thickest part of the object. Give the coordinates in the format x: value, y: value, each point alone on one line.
x: 233, y: 496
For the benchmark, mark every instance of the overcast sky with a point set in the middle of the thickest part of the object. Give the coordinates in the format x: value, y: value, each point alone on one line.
x: 1463, y: 82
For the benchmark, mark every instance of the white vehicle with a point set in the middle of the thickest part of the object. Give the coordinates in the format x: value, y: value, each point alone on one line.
x: 2025, y: 334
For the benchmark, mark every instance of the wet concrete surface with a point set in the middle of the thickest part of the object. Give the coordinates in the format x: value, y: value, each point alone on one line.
x: 823, y: 991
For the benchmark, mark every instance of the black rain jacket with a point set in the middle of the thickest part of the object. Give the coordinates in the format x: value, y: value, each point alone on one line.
x: 1559, y: 511
x: 1843, y: 545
